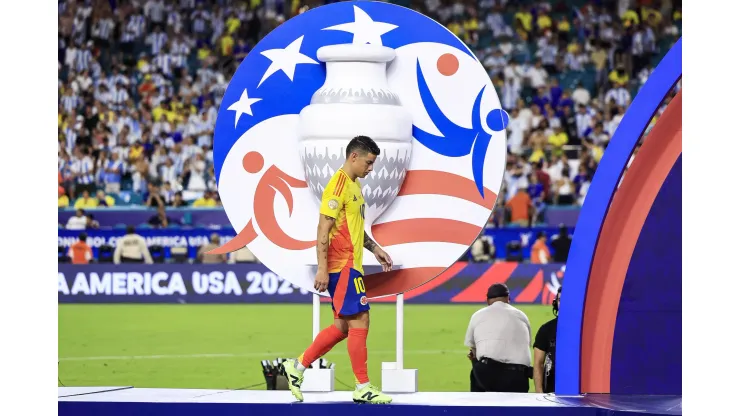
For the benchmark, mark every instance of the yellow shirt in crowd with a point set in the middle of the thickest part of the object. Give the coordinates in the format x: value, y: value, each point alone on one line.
x: 232, y: 25
x: 526, y: 19
x: 614, y: 77
x: 204, y: 202
x: 544, y: 22
x: 558, y: 139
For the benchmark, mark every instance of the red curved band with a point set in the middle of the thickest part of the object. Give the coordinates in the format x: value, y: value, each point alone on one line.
x: 621, y: 230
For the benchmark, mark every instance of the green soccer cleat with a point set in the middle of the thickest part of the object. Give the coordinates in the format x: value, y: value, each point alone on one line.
x: 295, y: 378
x: 370, y: 394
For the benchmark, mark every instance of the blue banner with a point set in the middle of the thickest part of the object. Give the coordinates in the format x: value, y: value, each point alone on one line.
x: 193, y: 238
x: 255, y: 283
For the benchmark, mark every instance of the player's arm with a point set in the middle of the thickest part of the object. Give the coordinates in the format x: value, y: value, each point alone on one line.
x: 369, y: 243
x: 322, y: 241
x: 332, y: 202
x: 383, y: 258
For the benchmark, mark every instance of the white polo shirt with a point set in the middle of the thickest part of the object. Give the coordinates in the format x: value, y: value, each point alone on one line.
x: 500, y: 332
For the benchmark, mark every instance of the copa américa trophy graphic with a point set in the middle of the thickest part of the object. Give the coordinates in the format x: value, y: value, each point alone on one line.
x: 356, y: 99
x: 361, y: 68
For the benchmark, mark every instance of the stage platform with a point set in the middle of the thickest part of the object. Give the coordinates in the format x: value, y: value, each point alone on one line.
x: 126, y: 400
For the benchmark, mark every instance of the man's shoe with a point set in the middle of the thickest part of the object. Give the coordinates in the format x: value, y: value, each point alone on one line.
x: 295, y: 378
x: 370, y: 394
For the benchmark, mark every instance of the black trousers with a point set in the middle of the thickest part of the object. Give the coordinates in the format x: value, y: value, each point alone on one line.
x: 491, y: 375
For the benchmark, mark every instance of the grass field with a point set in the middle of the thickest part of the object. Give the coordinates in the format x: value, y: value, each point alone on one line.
x: 220, y: 346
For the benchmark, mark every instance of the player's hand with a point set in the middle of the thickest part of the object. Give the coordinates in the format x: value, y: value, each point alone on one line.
x: 321, y: 282
x: 383, y: 258
x: 471, y: 355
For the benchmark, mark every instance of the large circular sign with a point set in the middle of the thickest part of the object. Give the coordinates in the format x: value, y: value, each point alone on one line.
x: 434, y: 184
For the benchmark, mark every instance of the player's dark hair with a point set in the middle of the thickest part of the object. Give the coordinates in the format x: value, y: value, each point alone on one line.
x: 82, y: 237
x: 362, y: 145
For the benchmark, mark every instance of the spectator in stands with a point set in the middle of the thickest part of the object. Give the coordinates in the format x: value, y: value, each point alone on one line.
x: 160, y: 219
x: 208, y: 200
x: 537, y: 194
x: 143, y: 80
x: 77, y: 221
x: 561, y: 245
x: 85, y: 201
x: 177, y: 201
x: 131, y: 248
x: 153, y: 196
x: 558, y: 139
x: 565, y: 192
x: 80, y: 252
x: 206, y: 258
x: 520, y: 208
x: 104, y: 200
x: 540, y: 253
x: 243, y: 255
x: 91, y: 223
x: 482, y: 250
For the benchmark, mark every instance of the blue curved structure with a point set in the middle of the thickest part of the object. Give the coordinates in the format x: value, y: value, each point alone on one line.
x: 594, y: 213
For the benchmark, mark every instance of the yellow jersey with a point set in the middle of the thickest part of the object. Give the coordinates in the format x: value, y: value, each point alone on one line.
x: 343, y: 201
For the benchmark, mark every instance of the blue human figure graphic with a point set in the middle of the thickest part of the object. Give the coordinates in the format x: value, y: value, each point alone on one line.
x: 458, y: 141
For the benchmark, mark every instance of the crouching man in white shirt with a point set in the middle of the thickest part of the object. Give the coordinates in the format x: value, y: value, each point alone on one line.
x: 499, y: 337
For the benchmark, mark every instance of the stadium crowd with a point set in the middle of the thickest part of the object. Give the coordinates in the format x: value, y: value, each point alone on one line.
x: 140, y: 83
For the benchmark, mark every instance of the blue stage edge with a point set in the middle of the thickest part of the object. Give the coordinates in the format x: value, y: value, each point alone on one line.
x: 125, y: 401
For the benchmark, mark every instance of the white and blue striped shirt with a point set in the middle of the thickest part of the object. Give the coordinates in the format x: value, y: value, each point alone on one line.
x: 71, y: 136
x: 178, y: 161
x: 164, y: 63
x: 573, y: 62
x: 134, y: 28
x: 70, y: 102
x: 199, y: 20
x: 84, y: 168
x: 114, y: 79
x: 103, y: 28
x: 548, y: 54
x: 157, y: 41
x: 119, y: 98
x: 509, y: 95
x: 83, y: 59
x: 110, y: 177
x: 620, y: 95
x: 180, y: 52
x: 175, y: 21
x: 583, y: 122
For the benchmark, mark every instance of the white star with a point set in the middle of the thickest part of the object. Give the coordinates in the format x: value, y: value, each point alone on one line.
x: 244, y: 105
x: 286, y: 60
x: 364, y: 29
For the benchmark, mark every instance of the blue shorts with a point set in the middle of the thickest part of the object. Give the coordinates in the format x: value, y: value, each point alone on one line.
x: 347, y: 290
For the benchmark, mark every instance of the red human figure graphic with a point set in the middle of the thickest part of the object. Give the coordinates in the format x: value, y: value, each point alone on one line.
x: 273, y: 181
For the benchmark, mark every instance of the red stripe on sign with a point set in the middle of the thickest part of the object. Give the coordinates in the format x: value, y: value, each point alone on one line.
x: 433, y: 182
x: 533, y: 289
x: 476, y: 292
x: 422, y: 230
x: 385, y: 285
x: 436, y: 282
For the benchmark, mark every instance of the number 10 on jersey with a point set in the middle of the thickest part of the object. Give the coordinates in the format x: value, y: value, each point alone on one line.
x: 359, y: 285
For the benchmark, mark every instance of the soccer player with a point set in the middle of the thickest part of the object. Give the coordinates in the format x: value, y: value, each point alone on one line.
x: 340, y: 240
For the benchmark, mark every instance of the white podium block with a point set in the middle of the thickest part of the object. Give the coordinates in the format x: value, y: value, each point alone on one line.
x: 394, y: 380
x: 318, y: 380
